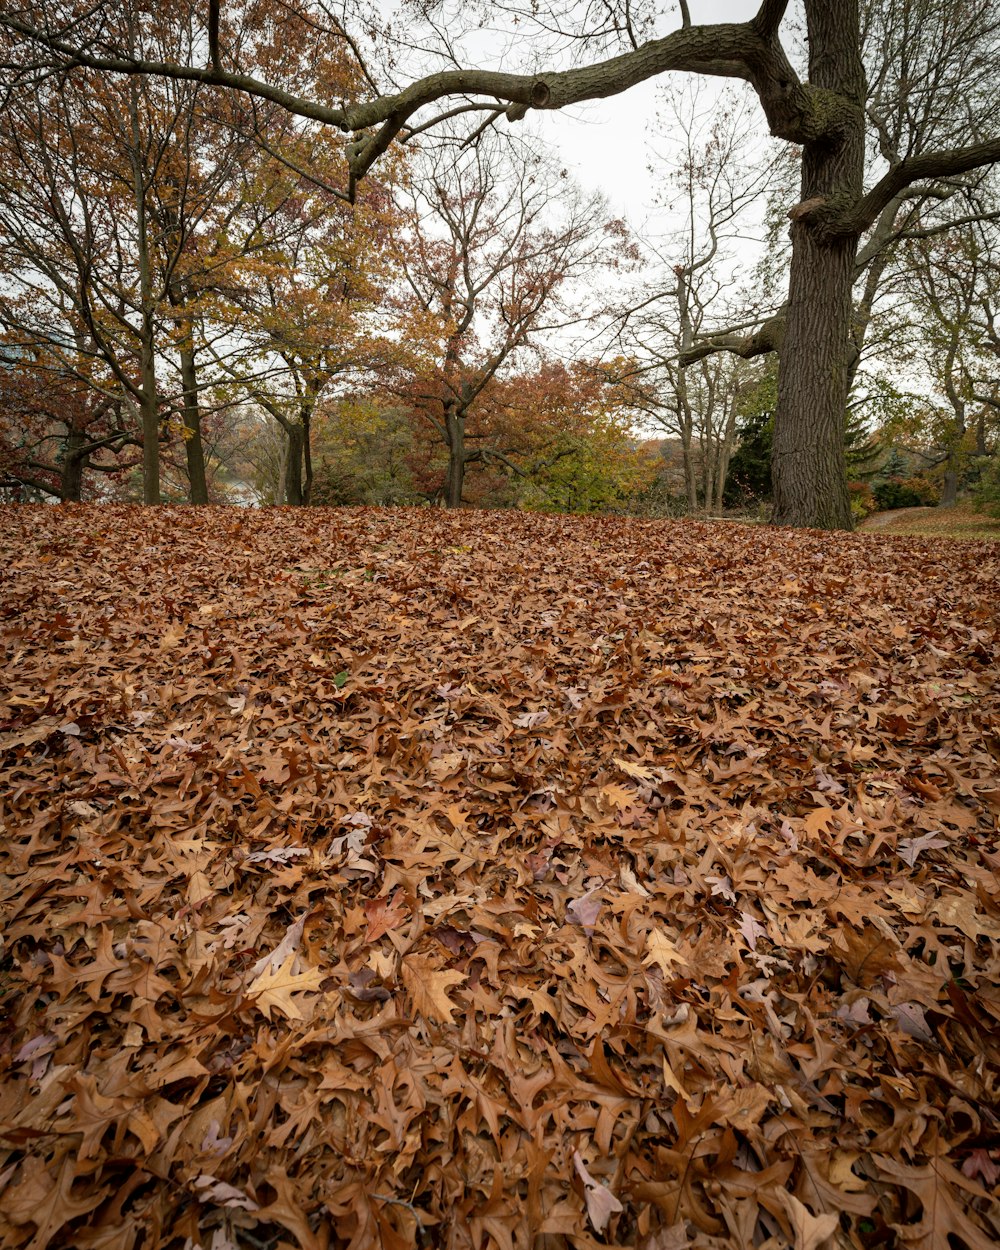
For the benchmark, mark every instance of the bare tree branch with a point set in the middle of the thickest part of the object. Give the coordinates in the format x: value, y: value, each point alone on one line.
x: 769, y: 17
x: 213, y: 34
x: 767, y: 339
x: 941, y: 164
x: 794, y: 110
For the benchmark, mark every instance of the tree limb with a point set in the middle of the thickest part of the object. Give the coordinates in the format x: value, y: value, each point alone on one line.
x: 942, y: 164
x: 769, y: 17
x: 767, y: 339
x: 747, y: 50
x: 213, y: 34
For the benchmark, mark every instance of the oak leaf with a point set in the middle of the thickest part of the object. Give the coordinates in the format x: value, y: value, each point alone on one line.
x: 585, y: 909
x: 810, y: 1231
x: 273, y: 989
x: 663, y: 954
x: 937, y: 1185
x: 428, y: 987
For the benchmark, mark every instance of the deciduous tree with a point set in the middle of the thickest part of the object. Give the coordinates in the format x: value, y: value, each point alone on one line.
x: 54, y: 428
x: 497, y: 241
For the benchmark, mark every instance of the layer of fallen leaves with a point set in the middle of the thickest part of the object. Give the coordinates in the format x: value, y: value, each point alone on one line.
x: 391, y: 879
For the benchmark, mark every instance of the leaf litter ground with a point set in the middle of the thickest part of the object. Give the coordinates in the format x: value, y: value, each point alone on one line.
x: 399, y: 878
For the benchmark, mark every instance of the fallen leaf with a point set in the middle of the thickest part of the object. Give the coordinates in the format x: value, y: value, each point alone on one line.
x: 585, y: 909
x: 810, y: 1231
x: 428, y: 987
x: 272, y: 990
x: 601, y: 1202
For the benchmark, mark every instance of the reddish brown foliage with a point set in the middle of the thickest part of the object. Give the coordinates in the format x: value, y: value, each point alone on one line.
x: 473, y: 880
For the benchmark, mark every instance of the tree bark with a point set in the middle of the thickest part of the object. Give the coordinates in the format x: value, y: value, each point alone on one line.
x: 307, y: 463
x: 191, y: 413
x: 455, y: 428
x: 279, y: 491
x: 725, y: 450
x: 294, y: 493
x: 148, y: 407
x: 685, y: 418
x: 149, y: 414
x: 955, y: 462
x: 73, y: 464
x: 808, y: 467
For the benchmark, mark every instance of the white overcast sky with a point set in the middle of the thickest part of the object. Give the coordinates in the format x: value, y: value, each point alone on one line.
x: 605, y: 143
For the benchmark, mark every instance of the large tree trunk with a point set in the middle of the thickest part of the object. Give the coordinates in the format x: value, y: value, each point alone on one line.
x: 191, y: 413
x: 74, y: 461
x: 949, y: 488
x: 294, y: 493
x: 455, y: 427
x: 808, y: 467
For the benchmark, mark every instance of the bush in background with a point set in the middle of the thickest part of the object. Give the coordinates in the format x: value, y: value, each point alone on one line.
x: 905, y: 492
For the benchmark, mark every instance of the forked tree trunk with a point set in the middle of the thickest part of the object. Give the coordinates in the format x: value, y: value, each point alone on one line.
x: 808, y: 467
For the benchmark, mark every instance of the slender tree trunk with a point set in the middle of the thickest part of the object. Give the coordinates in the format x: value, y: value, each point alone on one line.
x: 956, y: 460
x: 149, y: 413
x: 709, y: 454
x: 74, y: 461
x: 279, y: 492
x: 685, y: 418
x: 687, y: 459
x: 191, y: 412
x: 148, y: 406
x: 455, y: 427
x: 720, y: 486
x: 307, y: 462
x: 725, y: 452
x: 808, y: 466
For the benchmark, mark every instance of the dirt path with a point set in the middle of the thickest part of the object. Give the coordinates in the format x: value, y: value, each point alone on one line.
x: 879, y: 520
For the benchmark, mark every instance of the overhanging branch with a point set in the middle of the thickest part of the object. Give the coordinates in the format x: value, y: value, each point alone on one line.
x: 747, y: 50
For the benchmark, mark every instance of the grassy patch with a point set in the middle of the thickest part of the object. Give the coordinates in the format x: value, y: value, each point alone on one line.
x: 962, y: 521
